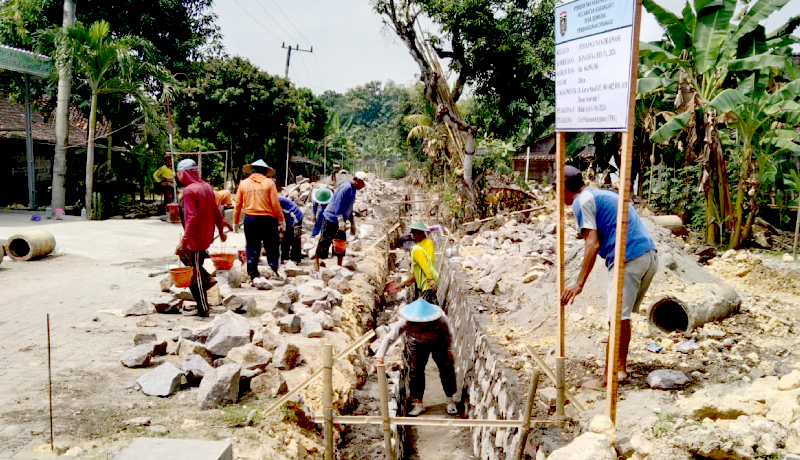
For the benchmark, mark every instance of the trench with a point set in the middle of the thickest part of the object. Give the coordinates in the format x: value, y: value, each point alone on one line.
x: 365, y: 442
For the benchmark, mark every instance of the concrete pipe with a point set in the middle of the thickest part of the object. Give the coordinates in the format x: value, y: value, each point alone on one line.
x: 672, y: 222
x: 31, y: 245
x: 694, y: 306
x: 2, y: 252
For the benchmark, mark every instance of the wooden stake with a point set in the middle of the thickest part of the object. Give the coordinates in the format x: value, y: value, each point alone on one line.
x: 560, y: 163
x: 526, y: 418
x: 396, y: 226
x: 387, y: 428
x: 622, y: 227
x: 50, y: 384
x: 429, y: 421
x: 549, y: 373
x: 327, y: 399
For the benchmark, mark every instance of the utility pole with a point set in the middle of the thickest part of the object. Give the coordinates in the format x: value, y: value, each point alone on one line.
x: 289, y: 55
x: 62, y: 114
x: 289, y: 127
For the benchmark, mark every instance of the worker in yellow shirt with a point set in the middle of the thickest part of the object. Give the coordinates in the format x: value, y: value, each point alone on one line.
x: 423, y: 272
x: 165, y: 177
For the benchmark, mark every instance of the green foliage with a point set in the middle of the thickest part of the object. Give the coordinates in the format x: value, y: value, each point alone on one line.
x: 399, y: 170
x: 497, y: 157
x: 664, y: 423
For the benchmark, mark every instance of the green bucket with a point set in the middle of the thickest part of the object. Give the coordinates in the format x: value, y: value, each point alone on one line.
x: 322, y: 195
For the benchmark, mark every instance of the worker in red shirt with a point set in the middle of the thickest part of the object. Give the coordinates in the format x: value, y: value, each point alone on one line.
x: 199, y: 216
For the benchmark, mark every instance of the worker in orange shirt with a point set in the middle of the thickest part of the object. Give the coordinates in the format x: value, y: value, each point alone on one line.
x: 263, y: 221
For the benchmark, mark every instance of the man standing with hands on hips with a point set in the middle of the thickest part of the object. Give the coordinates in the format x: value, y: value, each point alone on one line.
x: 596, y: 213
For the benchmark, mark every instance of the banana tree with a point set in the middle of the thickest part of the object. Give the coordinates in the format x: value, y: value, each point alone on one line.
x: 756, y: 108
x: 697, y: 51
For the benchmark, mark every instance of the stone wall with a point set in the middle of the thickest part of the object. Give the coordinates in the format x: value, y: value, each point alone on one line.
x: 489, y: 389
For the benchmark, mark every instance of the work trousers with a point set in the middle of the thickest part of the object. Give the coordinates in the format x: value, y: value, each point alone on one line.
x: 290, y: 247
x: 329, y: 231
x: 418, y: 353
x: 201, y: 279
x: 258, y: 230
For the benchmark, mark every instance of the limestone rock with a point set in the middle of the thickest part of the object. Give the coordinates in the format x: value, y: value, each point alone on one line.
x: 163, y: 381
x: 291, y: 292
x: 704, y: 404
x: 140, y: 308
x: 220, y: 386
x: 334, y: 297
x: 585, y: 447
x: 341, y: 285
x: 789, y: 381
x: 310, y: 297
x: 293, y: 270
x: 284, y: 304
x: 187, y: 347
x: 344, y: 273
x: 286, y: 357
x: 321, y: 305
x: 139, y: 339
x: 665, y: 379
x: 312, y: 329
x: 138, y: 356
x: 195, y: 368
x: 349, y: 263
x: 166, y: 304
x: 290, y: 323
x: 249, y: 357
x: 262, y: 284
x: 165, y: 283
x: 214, y: 297
x: 601, y: 424
x: 326, y: 274
x: 488, y: 284
x: 269, y: 385
x: 228, y: 331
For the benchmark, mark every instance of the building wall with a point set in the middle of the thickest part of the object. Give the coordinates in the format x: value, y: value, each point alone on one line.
x: 14, y: 176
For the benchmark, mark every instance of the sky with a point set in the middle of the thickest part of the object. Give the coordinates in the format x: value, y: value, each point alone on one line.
x: 351, y: 46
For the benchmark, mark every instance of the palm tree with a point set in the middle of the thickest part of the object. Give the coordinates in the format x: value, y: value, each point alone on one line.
x: 109, y: 65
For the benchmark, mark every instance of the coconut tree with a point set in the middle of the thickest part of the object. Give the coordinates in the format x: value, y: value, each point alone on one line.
x: 108, y: 64
x: 696, y: 55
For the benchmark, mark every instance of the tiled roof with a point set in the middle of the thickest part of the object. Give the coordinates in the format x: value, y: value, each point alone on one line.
x: 12, y: 124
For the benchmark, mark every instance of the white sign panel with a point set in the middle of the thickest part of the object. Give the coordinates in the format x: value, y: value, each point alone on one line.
x: 594, y: 54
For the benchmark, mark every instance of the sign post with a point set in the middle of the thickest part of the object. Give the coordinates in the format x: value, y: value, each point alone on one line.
x: 597, y: 56
x: 28, y: 63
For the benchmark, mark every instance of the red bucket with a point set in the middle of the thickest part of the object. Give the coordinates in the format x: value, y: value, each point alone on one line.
x: 223, y: 261
x: 174, y: 213
x: 339, y: 247
x: 181, y: 276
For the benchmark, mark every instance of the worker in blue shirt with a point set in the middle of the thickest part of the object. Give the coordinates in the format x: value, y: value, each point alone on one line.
x: 293, y: 215
x: 596, y: 214
x: 336, y: 213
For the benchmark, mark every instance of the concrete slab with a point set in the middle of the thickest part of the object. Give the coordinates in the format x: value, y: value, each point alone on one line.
x: 176, y: 449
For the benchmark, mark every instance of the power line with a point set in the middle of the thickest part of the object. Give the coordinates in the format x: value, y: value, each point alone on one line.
x: 275, y: 21
x: 291, y: 23
x: 303, y: 61
x: 321, y: 81
x: 256, y: 20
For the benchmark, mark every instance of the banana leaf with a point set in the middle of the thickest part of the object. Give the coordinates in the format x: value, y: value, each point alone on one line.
x: 752, y: 44
x: 711, y: 32
x: 688, y: 21
x: 780, y: 143
x: 671, y: 128
x: 650, y: 84
x: 760, y: 62
x: 728, y: 100
x: 653, y: 52
x: 675, y: 27
x: 757, y: 13
x: 790, y: 91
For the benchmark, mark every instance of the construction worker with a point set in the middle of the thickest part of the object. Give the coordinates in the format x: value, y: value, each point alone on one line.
x: 336, y: 213
x: 199, y: 215
x: 165, y: 177
x: 424, y: 276
x: 293, y: 215
x: 428, y: 332
x: 263, y: 221
x: 321, y: 197
x: 596, y: 213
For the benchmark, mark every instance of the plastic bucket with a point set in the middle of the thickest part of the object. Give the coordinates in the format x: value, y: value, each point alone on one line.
x: 223, y: 261
x: 173, y: 213
x: 181, y: 276
x: 339, y: 246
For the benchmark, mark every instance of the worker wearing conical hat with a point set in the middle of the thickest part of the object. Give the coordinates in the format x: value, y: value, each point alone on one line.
x: 424, y: 275
x: 428, y: 333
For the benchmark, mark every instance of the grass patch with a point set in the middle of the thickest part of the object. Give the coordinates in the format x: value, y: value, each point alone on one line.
x: 253, y: 311
x: 237, y: 414
x: 664, y: 423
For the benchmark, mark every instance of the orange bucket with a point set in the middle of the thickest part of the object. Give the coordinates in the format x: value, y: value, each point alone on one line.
x: 223, y: 261
x: 339, y: 246
x: 181, y: 276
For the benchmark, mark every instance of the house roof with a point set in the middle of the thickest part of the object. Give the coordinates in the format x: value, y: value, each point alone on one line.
x: 12, y: 124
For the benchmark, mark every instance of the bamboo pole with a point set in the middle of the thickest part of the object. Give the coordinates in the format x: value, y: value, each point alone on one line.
x: 50, y: 384
x: 622, y: 227
x: 560, y: 164
x: 385, y: 417
x: 280, y: 402
x: 526, y: 417
x: 327, y: 399
x: 535, y: 208
x: 381, y: 239
x: 430, y: 421
x: 549, y: 373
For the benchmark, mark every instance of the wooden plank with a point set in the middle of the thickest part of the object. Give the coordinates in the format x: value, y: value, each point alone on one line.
x: 429, y: 421
x: 385, y: 417
x: 327, y: 399
x: 561, y: 144
x: 622, y: 227
x: 396, y: 226
x: 285, y: 398
x: 549, y: 373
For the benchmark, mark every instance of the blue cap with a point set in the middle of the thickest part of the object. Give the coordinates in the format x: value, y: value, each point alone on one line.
x: 421, y: 311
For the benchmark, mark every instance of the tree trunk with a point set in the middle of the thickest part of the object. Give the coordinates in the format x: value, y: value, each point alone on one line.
x: 739, y: 226
x: 90, y: 157
x: 58, y: 198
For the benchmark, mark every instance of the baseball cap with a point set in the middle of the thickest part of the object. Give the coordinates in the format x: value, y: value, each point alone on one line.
x: 361, y: 175
x: 186, y: 165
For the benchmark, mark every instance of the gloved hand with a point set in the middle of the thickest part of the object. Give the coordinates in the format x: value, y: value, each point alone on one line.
x: 282, y: 226
x: 341, y: 221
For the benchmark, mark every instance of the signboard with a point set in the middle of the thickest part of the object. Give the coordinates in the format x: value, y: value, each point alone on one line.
x: 25, y: 62
x: 594, y: 55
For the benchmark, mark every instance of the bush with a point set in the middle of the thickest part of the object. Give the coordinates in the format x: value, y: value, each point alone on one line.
x: 399, y: 170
